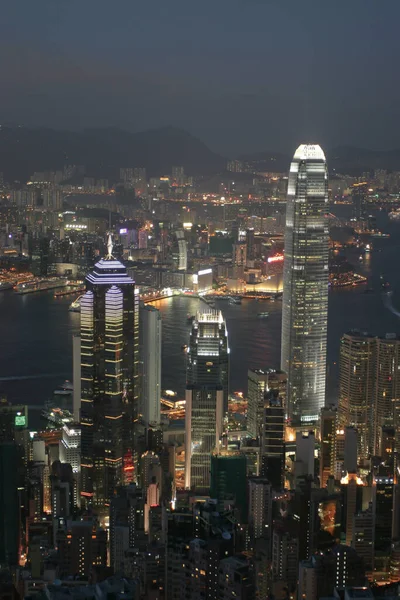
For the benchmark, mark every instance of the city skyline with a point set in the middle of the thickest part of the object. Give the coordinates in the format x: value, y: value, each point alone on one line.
x: 200, y: 357
x: 158, y: 463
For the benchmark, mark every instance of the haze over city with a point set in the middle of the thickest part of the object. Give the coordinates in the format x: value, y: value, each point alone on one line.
x: 244, y: 76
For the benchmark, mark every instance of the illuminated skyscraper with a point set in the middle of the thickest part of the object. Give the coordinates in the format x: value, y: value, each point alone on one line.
x: 206, y: 395
x: 305, y: 287
x: 181, y: 251
x: 150, y: 337
x: 369, y: 388
x: 259, y: 382
x: 356, y: 386
x: 109, y: 373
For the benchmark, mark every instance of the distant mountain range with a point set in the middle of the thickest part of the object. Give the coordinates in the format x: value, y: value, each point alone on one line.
x: 347, y: 158
x: 103, y: 151
x: 343, y: 159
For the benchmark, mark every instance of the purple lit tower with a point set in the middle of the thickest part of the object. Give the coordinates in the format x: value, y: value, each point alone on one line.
x: 109, y: 381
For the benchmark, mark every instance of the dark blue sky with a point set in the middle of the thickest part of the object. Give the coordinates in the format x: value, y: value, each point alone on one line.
x: 244, y: 75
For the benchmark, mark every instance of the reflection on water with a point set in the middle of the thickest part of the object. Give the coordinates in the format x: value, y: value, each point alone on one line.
x: 36, y: 330
x: 253, y: 342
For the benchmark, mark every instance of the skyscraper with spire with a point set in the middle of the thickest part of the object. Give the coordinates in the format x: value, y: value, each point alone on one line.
x: 109, y: 380
x: 305, y: 285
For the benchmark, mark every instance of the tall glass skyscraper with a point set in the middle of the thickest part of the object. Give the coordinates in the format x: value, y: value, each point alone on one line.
x: 206, y: 395
x: 109, y: 381
x: 305, y: 285
x: 150, y: 339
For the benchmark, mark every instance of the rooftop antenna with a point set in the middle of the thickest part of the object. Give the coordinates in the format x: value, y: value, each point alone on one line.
x: 109, y: 238
x: 109, y: 247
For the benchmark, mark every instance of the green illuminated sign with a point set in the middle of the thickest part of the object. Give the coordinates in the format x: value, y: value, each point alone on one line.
x: 20, y: 421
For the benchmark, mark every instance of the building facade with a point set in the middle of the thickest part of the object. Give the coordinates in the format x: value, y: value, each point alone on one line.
x: 369, y: 388
x: 109, y: 381
x: 151, y: 327
x: 206, y: 395
x: 259, y: 382
x: 305, y: 288
x: 273, y: 440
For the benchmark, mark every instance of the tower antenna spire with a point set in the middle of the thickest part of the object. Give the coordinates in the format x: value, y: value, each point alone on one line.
x: 109, y: 246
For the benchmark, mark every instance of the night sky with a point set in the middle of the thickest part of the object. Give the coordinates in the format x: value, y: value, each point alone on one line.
x: 243, y: 75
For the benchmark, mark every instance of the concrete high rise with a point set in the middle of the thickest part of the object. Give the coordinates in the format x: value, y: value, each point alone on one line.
x: 259, y: 382
x: 206, y: 395
x: 70, y: 447
x: 81, y: 546
x: 305, y: 288
x: 76, y: 366
x: 273, y: 439
x: 369, y: 388
x: 228, y: 480
x: 150, y: 337
x: 328, y: 428
x: 236, y: 578
x: 11, y: 481
x: 180, y: 251
x: 363, y: 540
x: 260, y: 507
x: 126, y: 526
x: 109, y: 380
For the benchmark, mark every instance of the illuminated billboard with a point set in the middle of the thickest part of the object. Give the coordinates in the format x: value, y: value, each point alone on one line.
x: 20, y: 420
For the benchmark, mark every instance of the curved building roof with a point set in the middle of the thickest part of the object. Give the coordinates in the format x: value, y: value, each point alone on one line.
x: 309, y: 151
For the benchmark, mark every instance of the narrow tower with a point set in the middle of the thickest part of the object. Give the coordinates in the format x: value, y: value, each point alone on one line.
x: 305, y: 285
x: 206, y: 395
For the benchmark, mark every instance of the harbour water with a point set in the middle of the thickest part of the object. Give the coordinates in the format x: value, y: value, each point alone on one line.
x: 37, y: 329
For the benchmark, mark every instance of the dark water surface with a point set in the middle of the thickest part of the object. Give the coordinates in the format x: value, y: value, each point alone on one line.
x: 36, y: 330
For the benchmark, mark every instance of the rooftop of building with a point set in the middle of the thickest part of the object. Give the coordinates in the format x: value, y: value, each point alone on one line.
x: 115, y: 587
x: 209, y: 316
x: 237, y: 562
x: 309, y: 152
x: 357, y: 333
x: 266, y: 371
x: 109, y: 270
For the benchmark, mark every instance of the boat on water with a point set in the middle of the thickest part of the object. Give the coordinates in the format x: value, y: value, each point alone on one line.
x: 75, y: 306
x: 65, y: 389
x: 263, y: 315
x: 384, y: 284
x: 39, y: 284
x: 5, y: 285
x: 235, y: 300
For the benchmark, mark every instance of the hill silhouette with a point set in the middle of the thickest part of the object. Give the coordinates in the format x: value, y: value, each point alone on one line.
x: 103, y: 151
x: 342, y: 159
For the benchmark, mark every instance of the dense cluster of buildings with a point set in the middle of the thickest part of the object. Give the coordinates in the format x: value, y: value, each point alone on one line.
x: 303, y: 504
